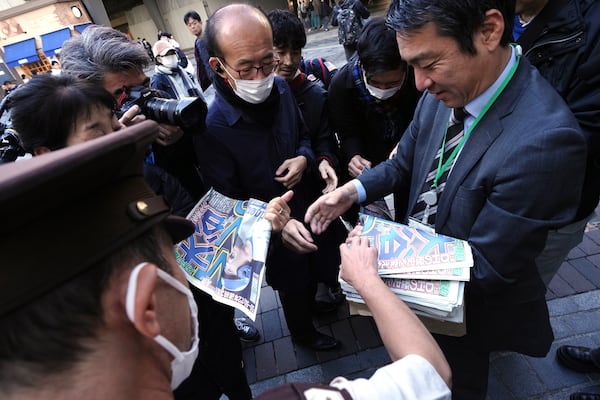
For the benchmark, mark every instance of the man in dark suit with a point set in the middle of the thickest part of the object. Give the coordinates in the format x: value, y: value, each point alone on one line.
x: 514, y: 172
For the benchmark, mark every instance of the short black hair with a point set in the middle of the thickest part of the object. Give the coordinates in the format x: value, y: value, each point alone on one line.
x: 457, y: 19
x: 193, y: 15
x: 288, y: 30
x: 377, y: 48
x: 71, y: 99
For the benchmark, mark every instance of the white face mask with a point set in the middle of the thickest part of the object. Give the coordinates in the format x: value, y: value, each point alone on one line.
x: 170, y: 61
x: 381, y: 94
x: 253, y: 91
x: 182, y: 363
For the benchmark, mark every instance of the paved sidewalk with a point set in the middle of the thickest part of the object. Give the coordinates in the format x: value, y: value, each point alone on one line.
x: 573, y: 300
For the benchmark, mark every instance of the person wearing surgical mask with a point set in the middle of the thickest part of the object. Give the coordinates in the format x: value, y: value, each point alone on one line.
x: 169, y: 77
x: 372, y: 99
x: 256, y: 145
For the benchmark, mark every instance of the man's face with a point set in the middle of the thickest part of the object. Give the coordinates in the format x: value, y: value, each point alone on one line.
x: 387, y: 79
x: 238, y: 257
x: 195, y: 27
x: 245, y: 47
x: 114, y: 82
x: 442, y: 69
x: 289, y: 61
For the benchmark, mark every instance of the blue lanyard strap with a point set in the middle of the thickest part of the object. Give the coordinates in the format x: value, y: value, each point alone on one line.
x: 443, y: 167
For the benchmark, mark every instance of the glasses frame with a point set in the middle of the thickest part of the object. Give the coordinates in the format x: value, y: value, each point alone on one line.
x: 248, y: 70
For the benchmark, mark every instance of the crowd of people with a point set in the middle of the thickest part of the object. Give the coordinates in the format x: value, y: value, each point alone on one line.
x: 433, y: 106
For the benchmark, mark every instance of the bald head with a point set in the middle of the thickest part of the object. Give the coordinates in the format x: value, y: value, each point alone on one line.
x: 234, y: 22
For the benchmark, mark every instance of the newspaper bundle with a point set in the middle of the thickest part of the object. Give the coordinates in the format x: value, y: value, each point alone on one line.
x: 225, y: 257
x: 426, y: 270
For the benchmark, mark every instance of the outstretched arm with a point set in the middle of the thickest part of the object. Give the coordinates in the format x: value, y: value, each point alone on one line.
x: 401, y: 331
x: 330, y: 206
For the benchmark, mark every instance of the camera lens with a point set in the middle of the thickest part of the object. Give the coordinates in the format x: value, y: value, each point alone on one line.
x: 186, y: 112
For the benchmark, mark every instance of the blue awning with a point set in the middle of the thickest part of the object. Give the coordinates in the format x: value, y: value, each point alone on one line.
x: 79, y: 28
x: 54, y: 40
x: 20, y: 53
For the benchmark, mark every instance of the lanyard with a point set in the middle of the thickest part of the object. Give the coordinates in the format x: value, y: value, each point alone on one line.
x: 443, y: 167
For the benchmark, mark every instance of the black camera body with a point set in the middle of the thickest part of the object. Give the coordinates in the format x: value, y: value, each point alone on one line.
x: 187, y: 112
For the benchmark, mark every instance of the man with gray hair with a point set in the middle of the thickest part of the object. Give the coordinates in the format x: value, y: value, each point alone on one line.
x: 109, y: 58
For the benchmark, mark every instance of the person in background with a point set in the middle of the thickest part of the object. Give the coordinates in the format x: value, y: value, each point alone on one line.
x: 257, y: 146
x: 372, y: 99
x: 203, y: 71
x: 181, y: 57
x: 507, y: 164
x: 550, y: 33
x: 79, y: 111
x: 56, y: 68
x: 551, y: 36
x: 169, y: 76
x: 289, y: 37
x: 110, y: 59
x: 348, y: 16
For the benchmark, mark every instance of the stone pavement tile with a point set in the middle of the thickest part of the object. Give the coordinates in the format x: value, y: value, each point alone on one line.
x: 310, y: 374
x: 266, y: 366
x: 588, y: 300
x: 284, y: 328
x: 594, y: 235
x: 496, y: 388
x: 365, y: 331
x: 578, y: 278
x: 591, y: 270
x: 588, y: 246
x: 586, y: 321
x: 517, y: 376
x: 271, y: 325
x: 265, y: 385
x: 340, y: 367
x: 268, y: 299
x: 305, y: 356
x: 559, y: 286
x: 285, y: 355
x: 553, y: 375
x: 562, y: 306
x: 575, y: 253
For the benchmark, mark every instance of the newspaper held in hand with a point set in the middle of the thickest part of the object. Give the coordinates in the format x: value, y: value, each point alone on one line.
x: 426, y: 270
x: 225, y: 257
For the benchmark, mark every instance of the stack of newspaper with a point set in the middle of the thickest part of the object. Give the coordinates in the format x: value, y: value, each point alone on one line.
x: 426, y: 270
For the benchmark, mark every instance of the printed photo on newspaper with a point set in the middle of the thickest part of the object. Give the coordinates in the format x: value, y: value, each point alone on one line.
x: 225, y: 257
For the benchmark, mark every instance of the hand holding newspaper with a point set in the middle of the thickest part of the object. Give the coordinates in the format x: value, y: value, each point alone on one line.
x: 426, y: 270
x: 225, y: 257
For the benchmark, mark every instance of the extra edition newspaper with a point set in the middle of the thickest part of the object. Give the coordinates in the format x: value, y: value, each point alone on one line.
x: 225, y: 257
x: 426, y: 270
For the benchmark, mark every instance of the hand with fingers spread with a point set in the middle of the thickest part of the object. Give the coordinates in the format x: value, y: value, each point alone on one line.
x: 330, y: 206
x: 168, y: 134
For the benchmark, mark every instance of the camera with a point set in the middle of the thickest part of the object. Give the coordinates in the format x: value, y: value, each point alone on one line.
x: 186, y: 112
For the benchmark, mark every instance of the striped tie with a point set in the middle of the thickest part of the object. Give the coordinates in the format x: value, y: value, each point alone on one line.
x: 454, y: 134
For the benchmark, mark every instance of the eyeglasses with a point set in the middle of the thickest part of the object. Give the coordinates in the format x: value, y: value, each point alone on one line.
x: 249, y: 73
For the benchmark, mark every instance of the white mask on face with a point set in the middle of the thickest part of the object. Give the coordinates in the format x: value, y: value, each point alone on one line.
x: 170, y: 61
x: 381, y: 94
x: 253, y: 91
x: 182, y: 363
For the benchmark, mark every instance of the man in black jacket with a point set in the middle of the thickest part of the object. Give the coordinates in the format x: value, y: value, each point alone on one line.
x: 562, y: 40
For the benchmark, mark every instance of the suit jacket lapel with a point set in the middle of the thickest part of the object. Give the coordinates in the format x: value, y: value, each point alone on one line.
x: 480, y: 139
